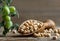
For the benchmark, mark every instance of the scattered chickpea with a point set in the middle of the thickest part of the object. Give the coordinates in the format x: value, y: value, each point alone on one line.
x: 54, y: 37
x: 14, y: 31
x: 47, y: 34
x: 51, y: 30
x: 59, y: 30
x: 57, y: 34
x: 47, y: 31
x: 55, y: 31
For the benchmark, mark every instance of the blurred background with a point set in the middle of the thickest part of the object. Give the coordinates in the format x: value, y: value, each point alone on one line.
x: 37, y: 9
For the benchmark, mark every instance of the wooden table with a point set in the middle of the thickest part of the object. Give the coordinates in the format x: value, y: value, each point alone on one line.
x: 26, y: 39
x: 16, y: 37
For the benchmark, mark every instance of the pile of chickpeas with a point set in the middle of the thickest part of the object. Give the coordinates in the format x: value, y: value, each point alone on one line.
x: 48, y: 33
x: 30, y: 26
x: 39, y: 28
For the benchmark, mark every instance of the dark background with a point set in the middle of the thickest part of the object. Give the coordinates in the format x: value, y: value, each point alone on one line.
x: 37, y: 9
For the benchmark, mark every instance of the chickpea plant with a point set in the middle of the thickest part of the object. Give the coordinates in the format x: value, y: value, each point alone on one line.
x: 7, y: 11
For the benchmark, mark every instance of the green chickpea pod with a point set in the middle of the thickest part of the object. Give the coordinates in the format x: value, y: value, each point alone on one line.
x: 7, y: 12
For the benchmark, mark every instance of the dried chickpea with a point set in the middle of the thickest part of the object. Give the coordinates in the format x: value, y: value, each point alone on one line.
x: 59, y: 30
x: 55, y: 30
x: 47, y: 34
x: 57, y: 34
x: 42, y: 34
x: 51, y: 30
x: 54, y: 37
x: 37, y: 34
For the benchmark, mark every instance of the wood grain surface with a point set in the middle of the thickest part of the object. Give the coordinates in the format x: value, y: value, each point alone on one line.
x: 26, y: 39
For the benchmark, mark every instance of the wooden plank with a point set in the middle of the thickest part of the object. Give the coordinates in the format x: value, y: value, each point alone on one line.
x: 26, y: 39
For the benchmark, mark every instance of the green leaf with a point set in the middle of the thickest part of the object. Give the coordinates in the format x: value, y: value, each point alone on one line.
x: 15, y: 26
x: 8, y: 2
x: 17, y: 14
x: 0, y: 1
x: 1, y: 9
x: 1, y: 24
x: 13, y: 14
x: 5, y: 31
